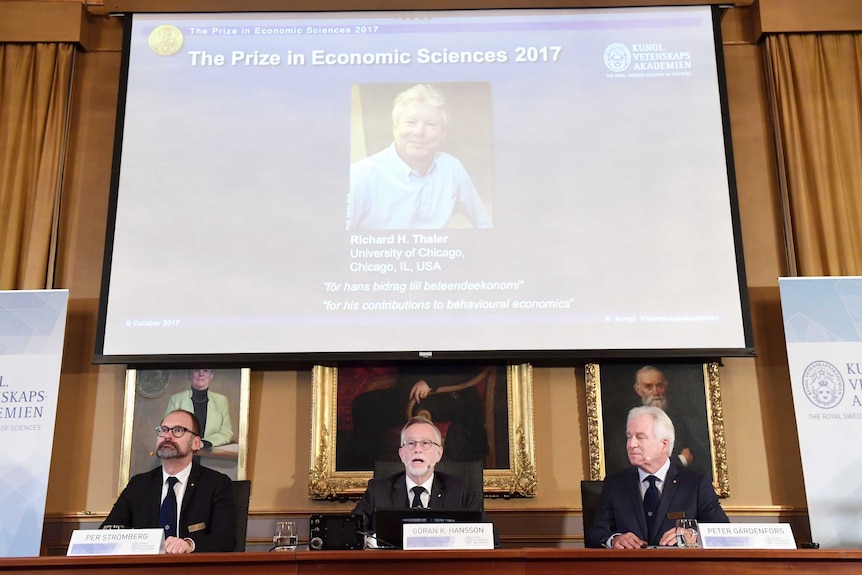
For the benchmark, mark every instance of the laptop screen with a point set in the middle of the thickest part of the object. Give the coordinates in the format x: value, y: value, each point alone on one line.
x: 388, y: 521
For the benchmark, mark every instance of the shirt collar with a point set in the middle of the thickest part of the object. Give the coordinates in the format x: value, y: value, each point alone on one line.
x: 183, y: 475
x: 427, y: 484
x: 405, y: 170
x: 661, y: 473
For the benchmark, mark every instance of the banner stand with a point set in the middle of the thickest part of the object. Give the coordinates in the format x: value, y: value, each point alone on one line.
x: 32, y: 328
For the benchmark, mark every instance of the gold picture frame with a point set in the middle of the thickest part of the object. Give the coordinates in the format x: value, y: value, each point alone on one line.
x: 611, y: 393
x: 147, y: 396
x: 516, y: 479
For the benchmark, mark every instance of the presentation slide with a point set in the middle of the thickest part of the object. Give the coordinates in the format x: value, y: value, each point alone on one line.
x: 409, y: 182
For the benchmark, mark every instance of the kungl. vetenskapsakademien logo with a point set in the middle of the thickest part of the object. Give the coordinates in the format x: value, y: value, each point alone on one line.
x: 823, y: 384
x: 617, y: 57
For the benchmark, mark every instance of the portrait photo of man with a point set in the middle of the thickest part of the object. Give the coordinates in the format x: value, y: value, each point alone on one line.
x: 676, y: 389
x: 420, y: 157
x: 468, y: 403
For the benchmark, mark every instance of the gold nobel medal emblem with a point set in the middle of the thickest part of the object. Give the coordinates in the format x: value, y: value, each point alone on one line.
x: 166, y: 40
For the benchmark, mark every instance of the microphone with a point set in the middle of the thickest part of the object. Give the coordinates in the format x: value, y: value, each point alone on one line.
x: 316, y: 543
x: 380, y: 543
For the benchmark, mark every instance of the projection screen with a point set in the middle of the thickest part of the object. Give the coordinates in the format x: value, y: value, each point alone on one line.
x: 552, y: 184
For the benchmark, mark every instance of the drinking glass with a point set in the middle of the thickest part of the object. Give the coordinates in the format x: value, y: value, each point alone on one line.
x: 686, y: 533
x: 286, y: 536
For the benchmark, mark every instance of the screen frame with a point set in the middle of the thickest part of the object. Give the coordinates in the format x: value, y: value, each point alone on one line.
x: 305, y: 360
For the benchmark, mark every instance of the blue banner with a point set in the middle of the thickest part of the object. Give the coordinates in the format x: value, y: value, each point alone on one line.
x: 823, y: 328
x: 32, y: 328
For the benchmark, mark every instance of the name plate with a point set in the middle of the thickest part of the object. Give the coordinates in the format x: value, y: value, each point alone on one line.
x: 448, y: 536
x: 747, y: 536
x: 117, y: 542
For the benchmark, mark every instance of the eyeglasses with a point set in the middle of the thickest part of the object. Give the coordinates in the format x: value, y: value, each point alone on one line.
x: 424, y: 444
x: 177, y: 431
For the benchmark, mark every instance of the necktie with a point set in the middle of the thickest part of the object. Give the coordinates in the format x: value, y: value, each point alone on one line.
x: 168, y: 511
x: 651, y: 498
x: 417, y: 496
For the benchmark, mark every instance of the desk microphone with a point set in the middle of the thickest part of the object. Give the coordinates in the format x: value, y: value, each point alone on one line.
x: 381, y: 543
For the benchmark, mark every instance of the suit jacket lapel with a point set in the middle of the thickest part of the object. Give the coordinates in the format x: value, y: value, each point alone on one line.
x: 154, y: 499
x: 399, y: 492
x: 438, y: 491
x: 667, y: 493
x: 194, y: 477
x: 637, y: 500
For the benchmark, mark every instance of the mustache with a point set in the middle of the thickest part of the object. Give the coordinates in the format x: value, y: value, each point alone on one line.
x: 168, y: 450
x: 656, y: 401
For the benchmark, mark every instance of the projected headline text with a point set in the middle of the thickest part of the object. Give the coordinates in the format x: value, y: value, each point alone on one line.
x: 256, y: 58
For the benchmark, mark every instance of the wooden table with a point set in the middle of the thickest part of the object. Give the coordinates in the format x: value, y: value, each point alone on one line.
x: 530, y: 561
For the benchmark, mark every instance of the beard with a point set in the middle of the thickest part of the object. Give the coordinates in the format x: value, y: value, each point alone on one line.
x: 659, y: 401
x: 169, y: 450
x: 418, y: 469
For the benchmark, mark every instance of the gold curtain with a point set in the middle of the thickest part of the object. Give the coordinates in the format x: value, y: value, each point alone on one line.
x: 816, y: 84
x: 35, y: 87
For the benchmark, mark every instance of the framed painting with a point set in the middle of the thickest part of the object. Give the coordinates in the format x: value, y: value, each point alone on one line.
x: 689, y: 393
x: 221, y: 395
x: 485, y: 413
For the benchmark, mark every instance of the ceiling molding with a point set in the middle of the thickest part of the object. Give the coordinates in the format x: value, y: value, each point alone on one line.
x: 126, y: 6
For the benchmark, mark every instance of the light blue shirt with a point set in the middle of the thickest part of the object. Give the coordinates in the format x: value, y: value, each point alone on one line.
x: 386, y: 194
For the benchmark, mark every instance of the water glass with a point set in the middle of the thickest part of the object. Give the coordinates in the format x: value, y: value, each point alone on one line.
x: 286, y: 536
x: 686, y: 533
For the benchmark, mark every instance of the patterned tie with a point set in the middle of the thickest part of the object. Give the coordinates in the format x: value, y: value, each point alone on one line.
x: 417, y: 496
x: 651, y: 498
x: 168, y: 511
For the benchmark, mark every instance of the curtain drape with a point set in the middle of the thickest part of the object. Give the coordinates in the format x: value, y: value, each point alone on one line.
x: 816, y: 90
x: 35, y: 88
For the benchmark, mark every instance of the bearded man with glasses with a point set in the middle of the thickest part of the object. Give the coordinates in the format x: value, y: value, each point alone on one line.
x: 192, y: 503
x: 419, y: 485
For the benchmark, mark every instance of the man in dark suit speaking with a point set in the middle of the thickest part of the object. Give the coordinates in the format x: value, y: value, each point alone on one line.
x: 639, y: 505
x: 194, y: 504
x: 418, y: 485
